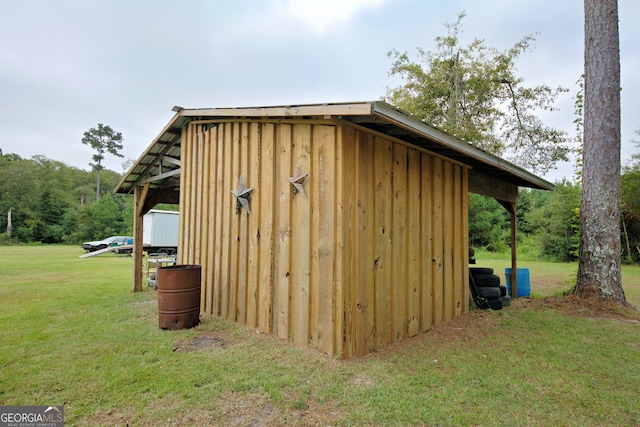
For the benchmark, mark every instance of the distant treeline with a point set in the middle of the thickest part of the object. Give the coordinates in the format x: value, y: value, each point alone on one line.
x: 52, y: 202
x: 549, y: 221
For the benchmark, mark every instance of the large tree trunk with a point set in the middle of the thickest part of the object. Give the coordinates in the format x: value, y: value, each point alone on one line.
x: 599, y: 263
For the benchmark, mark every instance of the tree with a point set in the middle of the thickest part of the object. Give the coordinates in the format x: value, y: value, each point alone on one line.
x: 50, y: 211
x: 487, y: 223
x: 555, y: 221
x: 18, y: 192
x: 630, y: 207
x: 599, y: 275
x: 45, y: 198
x: 107, y: 218
x: 473, y: 93
x: 103, y: 139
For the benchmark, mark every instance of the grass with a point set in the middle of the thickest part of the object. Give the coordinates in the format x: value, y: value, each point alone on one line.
x: 74, y: 334
x: 553, y: 278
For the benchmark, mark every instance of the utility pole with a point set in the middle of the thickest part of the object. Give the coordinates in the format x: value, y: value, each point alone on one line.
x: 9, y: 224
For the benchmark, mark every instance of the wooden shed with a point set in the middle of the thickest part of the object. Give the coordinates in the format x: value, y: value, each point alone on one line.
x: 339, y: 226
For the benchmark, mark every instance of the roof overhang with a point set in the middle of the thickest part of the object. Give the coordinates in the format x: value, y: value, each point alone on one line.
x: 159, y: 165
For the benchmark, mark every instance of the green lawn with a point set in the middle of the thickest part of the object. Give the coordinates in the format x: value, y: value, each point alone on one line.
x: 74, y: 334
x: 551, y: 278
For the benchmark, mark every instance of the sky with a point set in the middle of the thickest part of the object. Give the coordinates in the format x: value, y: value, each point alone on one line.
x: 67, y: 65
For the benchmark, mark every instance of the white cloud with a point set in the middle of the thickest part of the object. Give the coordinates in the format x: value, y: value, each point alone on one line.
x: 65, y: 66
x: 323, y: 15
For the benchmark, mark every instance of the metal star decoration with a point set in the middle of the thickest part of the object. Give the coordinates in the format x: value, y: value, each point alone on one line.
x: 242, y: 196
x: 296, y: 181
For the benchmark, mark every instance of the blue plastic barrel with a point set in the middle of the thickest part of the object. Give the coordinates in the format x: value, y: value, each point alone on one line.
x: 522, y: 277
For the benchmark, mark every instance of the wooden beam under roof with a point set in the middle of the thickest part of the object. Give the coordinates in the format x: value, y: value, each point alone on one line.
x: 162, y: 176
x: 357, y: 108
x: 492, y: 186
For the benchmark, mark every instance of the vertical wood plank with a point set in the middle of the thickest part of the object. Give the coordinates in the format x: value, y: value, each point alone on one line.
x: 382, y: 167
x: 447, y: 222
x: 203, y: 235
x: 228, y: 214
x: 437, y: 233
x: 339, y: 326
x: 458, y: 253
x: 323, y: 238
x: 348, y: 235
x: 182, y: 220
x: 364, y: 290
x: 426, y: 293
x: 243, y: 256
x: 414, y: 236
x: 193, y: 192
x: 282, y: 274
x: 266, y: 238
x: 199, y: 193
x: 185, y: 185
x: 253, y: 274
x: 465, y: 238
x: 300, y: 238
x: 211, y: 215
x: 236, y: 155
x: 219, y: 219
x: 399, y: 242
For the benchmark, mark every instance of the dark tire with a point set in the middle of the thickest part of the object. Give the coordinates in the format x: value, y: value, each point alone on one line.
x: 481, y: 303
x: 101, y: 247
x: 503, y: 291
x: 480, y: 270
x: 489, y: 293
x: 486, y: 280
x: 506, y: 301
x: 496, y: 304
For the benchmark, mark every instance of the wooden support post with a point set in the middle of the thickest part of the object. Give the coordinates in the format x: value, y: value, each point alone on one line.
x: 139, y: 197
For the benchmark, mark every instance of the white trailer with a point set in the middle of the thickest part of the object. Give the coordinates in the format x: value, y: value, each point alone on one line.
x: 160, y: 232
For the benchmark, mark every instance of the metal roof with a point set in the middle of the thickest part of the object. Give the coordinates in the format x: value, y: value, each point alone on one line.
x: 160, y: 163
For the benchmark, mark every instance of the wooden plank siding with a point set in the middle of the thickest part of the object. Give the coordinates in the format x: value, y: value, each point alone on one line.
x: 376, y: 250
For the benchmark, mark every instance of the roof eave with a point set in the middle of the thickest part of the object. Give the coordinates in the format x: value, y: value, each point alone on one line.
x: 390, y: 113
x: 379, y: 109
x: 120, y: 188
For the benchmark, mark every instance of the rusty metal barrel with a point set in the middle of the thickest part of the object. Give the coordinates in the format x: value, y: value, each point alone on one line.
x: 179, y: 296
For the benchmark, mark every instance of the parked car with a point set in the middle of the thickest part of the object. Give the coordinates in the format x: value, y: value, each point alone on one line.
x: 109, y: 241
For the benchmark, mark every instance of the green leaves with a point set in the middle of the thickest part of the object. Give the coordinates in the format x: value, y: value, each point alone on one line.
x: 49, y: 201
x: 473, y: 93
x: 103, y: 139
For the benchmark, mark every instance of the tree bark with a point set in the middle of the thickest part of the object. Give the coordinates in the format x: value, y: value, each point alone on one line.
x: 599, y: 274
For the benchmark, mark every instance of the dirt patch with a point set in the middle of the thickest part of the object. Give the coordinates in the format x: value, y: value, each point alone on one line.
x: 476, y: 325
x: 120, y: 417
x: 579, y: 307
x: 241, y: 409
x: 255, y: 409
x: 459, y: 333
x: 199, y: 343
x: 206, y: 340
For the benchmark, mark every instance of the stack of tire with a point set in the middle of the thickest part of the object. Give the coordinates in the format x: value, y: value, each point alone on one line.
x: 488, y: 288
